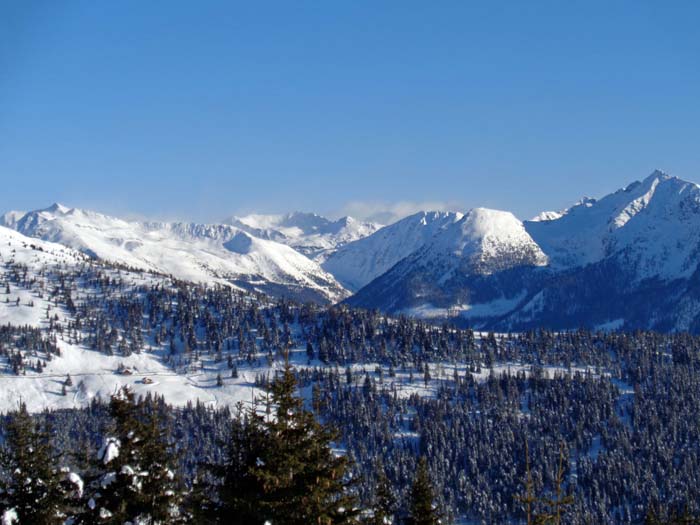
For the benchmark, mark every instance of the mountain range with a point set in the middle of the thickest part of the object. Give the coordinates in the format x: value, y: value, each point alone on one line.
x: 629, y: 259
x: 205, y: 253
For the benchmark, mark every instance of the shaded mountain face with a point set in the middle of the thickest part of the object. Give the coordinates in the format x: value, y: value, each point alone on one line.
x: 357, y: 264
x: 205, y: 253
x: 310, y: 234
x: 439, y: 276
x: 629, y: 259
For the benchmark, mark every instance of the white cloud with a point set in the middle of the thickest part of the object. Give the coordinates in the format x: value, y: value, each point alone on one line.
x: 388, y: 212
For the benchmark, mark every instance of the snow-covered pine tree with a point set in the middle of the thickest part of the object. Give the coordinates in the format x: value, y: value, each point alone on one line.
x: 135, y: 478
x: 281, y: 468
x: 31, y: 484
x: 422, y: 510
x: 384, y: 507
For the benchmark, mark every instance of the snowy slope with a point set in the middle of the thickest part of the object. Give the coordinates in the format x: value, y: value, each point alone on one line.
x: 35, y: 252
x: 194, y: 252
x: 654, y: 224
x: 96, y: 374
x: 362, y: 261
x: 35, y: 255
x: 311, y: 234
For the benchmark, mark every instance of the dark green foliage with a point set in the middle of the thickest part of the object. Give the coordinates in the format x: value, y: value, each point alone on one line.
x: 384, y: 506
x: 281, y: 468
x: 658, y: 515
x: 422, y: 510
x: 31, y: 480
x: 140, y: 481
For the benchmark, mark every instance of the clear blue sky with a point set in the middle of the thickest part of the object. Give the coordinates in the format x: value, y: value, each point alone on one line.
x: 199, y: 109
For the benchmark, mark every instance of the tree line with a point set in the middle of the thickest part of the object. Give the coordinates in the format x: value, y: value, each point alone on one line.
x: 278, y: 467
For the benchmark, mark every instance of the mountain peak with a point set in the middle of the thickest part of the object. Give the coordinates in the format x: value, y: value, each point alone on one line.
x: 660, y: 174
x: 490, y: 233
x: 547, y: 216
x: 57, y: 207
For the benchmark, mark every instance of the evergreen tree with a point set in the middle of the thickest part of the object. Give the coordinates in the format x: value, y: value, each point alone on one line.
x: 384, y: 508
x: 31, y: 480
x: 422, y: 510
x: 135, y: 480
x: 281, y: 468
x: 560, y: 503
x: 228, y: 489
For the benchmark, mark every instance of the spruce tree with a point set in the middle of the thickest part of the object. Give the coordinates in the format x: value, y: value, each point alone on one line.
x: 384, y: 507
x: 229, y: 489
x: 31, y: 480
x: 135, y: 480
x: 281, y: 468
x: 422, y: 510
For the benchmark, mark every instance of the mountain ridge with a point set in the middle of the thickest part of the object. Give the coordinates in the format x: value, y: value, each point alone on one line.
x: 311, y: 234
x: 589, y: 264
x: 601, y: 255
x: 189, y: 251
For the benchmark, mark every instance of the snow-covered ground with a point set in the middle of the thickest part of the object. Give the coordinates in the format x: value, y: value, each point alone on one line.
x: 96, y: 375
x: 467, y: 311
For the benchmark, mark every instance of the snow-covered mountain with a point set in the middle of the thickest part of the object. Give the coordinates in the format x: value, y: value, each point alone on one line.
x: 358, y: 263
x: 11, y: 218
x: 597, y: 263
x: 209, y: 253
x: 311, y: 234
x: 627, y: 259
x: 432, y: 279
x: 654, y: 224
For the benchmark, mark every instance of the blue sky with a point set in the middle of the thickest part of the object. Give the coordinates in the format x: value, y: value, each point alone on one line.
x: 198, y: 110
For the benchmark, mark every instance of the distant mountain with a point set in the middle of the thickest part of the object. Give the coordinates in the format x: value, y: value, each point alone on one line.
x: 208, y: 253
x: 547, y: 216
x: 313, y: 235
x: 11, y: 218
x: 358, y: 263
x: 629, y: 259
x: 653, y: 224
x: 431, y: 280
